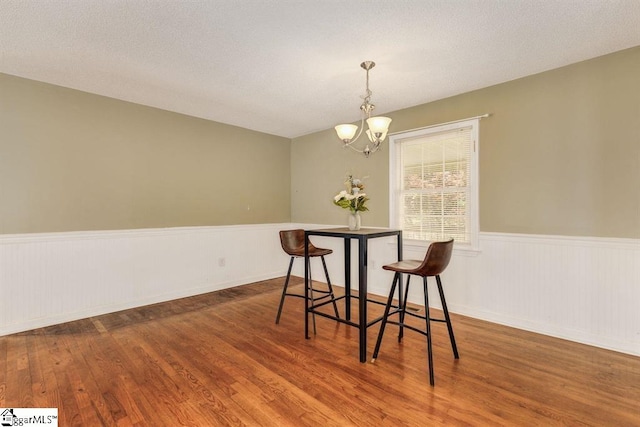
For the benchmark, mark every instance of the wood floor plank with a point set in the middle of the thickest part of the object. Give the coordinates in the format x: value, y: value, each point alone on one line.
x: 154, y: 373
x: 19, y: 371
x: 218, y: 359
x: 269, y: 382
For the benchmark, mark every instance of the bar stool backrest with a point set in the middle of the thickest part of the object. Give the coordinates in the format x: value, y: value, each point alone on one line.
x: 292, y: 242
x: 436, y: 260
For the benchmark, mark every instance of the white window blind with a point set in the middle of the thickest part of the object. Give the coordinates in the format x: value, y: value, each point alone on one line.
x: 436, y: 184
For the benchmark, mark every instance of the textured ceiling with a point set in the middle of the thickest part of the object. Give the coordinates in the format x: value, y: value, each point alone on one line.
x: 291, y: 67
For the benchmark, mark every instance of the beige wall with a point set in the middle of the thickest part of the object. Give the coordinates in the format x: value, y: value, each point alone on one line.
x: 559, y: 155
x: 75, y: 161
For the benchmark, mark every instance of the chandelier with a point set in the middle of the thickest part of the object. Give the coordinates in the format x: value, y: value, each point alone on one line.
x: 378, y: 126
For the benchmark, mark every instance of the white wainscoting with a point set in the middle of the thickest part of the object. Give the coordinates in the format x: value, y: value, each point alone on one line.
x: 582, y: 289
x: 52, y: 278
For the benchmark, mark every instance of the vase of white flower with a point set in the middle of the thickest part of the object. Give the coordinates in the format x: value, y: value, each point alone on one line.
x: 353, y: 199
x: 355, y: 222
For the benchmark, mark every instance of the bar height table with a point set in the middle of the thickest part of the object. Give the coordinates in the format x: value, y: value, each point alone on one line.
x: 362, y: 236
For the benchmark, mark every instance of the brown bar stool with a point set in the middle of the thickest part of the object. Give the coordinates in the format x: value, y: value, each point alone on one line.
x: 292, y: 242
x: 434, y: 263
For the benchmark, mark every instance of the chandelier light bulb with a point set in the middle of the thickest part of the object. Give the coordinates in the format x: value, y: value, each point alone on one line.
x: 378, y: 125
x: 346, y: 132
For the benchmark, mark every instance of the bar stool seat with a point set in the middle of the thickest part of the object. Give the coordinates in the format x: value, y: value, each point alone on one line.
x: 292, y: 242
x: 435, y: 262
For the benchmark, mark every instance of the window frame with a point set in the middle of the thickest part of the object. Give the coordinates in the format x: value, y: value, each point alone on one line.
x: 395, y: 182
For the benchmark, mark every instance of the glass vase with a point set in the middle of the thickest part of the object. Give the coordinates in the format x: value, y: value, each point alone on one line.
x: 354, y: 221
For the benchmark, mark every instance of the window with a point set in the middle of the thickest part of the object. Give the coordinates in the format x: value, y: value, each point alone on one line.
x: 434, y: 183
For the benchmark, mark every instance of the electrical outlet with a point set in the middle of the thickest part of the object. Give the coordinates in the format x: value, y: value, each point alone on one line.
x: 221, y: 262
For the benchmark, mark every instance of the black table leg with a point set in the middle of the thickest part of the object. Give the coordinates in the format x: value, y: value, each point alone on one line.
x: 306, y: 285
x: 347, y: 278
x: 362, y: 296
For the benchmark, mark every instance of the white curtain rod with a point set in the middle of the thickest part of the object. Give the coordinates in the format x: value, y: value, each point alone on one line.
x: 484, y: 116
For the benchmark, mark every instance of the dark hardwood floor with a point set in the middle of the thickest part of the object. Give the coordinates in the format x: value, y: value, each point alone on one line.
x: 218, y: 359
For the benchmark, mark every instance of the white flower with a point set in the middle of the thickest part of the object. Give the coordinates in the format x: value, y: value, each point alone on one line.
x: 341, y: 195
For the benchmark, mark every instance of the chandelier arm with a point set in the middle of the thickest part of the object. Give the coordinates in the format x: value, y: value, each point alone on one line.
x: 364, y: 151
x: 358, y: 135
x: 371, y: 150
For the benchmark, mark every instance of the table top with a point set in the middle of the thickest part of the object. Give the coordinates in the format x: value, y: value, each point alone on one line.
x: 363, y: 232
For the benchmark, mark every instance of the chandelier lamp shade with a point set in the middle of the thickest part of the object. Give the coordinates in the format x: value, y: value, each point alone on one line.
x: 377, y: 126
